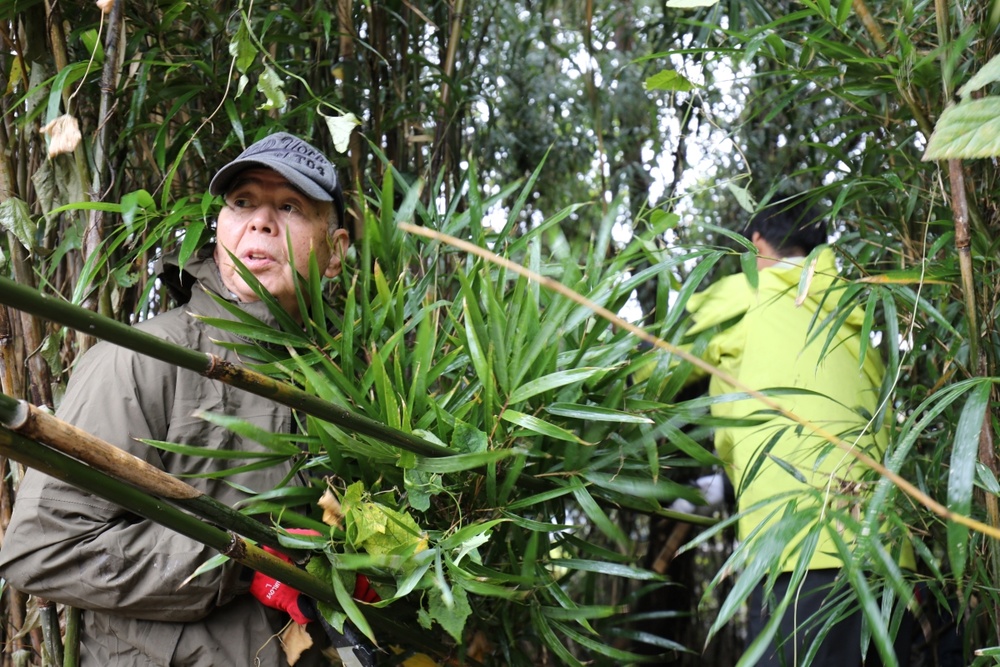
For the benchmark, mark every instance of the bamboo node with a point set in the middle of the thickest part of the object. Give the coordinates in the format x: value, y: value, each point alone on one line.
x: 237, y: 549
x: 214, y: 364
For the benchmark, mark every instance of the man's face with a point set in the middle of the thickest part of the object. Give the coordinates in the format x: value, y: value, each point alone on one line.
x: 262, y: 212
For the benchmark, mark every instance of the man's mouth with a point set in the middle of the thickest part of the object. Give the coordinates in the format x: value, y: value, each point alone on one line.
x: 256, y: 255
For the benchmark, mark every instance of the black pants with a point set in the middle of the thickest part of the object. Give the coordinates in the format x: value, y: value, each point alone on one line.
x: 796, y: 635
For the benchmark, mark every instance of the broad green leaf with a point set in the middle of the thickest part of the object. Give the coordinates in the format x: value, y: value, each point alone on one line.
x: 92, y: 42
x: 668, y: 79
x: 242, y: 49
x: 378, y: 529
x: 449, y: 607
x: 987, y: 74
x: 271, y: 85
x: 15, y: 218
x: 467, y: 439
x: 341, y: 128
x: 192, y: 240
x: 969, y: 129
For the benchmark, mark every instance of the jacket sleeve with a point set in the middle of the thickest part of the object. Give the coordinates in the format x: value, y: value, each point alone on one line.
x: 71, y: 547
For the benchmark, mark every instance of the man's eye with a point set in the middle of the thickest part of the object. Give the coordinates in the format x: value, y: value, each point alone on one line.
x: 240, y: 202
x: 289, y: 208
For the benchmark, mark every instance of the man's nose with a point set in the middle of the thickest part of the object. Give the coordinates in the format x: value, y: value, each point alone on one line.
x: 264, y: 220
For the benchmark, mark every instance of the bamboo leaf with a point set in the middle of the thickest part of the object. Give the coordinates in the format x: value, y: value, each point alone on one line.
x: 205, y: 452
x: 538, y: 426
x: 595, y: 413
x: 691, y: 4
x: 543, y: 627
x: 661, y: 489
x: 460, y: 462
x: 477, y: 354
x: 612, y: 569
x: 669, y: 80
x: 961, y: 475
x: 278, y: 443
x: 596, y: 514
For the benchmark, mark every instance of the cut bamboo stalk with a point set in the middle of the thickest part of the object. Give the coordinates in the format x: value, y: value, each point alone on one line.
x: 56, y: 464
x: 27, y: 420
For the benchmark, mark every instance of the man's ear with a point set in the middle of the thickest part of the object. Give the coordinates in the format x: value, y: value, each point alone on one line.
x: 759, y: 242
x: 340, y: 240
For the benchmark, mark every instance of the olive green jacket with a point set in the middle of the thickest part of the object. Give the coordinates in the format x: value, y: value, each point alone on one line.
x: 132, y: 576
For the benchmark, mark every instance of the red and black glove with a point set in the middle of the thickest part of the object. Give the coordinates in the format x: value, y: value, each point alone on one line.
x: 281, y: 596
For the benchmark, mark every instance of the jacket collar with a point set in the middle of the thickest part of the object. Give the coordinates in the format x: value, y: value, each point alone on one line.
x: 198, y: 279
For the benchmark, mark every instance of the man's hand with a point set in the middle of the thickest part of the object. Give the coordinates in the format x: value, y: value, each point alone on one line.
x: 363, y: 590
x: 281, y: 596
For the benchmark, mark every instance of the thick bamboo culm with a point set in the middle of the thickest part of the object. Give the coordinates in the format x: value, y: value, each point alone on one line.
x: 59, y: 465
x: 34, y: 302
x: 29, y: 421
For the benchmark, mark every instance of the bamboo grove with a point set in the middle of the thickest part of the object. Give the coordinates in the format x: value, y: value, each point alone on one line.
x: 529, y: 445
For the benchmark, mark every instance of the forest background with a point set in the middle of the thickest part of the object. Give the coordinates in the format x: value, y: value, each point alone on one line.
x: 613, y: 147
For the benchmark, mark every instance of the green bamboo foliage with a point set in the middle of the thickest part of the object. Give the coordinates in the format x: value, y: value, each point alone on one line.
x: 846, y: 100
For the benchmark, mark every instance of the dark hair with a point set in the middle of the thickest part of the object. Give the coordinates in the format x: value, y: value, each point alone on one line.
x: 789, y: 224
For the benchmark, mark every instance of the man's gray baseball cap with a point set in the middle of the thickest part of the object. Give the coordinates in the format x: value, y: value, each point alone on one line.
x: 302, y: 164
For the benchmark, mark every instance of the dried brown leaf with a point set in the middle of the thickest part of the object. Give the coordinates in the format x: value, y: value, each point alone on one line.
x: 64, y: 135
x: 333, y: 513
x: 296, y: 641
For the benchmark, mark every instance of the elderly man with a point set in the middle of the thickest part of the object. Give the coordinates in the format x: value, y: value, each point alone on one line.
x: 282, y: 208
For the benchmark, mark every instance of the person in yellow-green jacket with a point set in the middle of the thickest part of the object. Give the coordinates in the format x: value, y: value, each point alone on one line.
x: 777, y: 336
